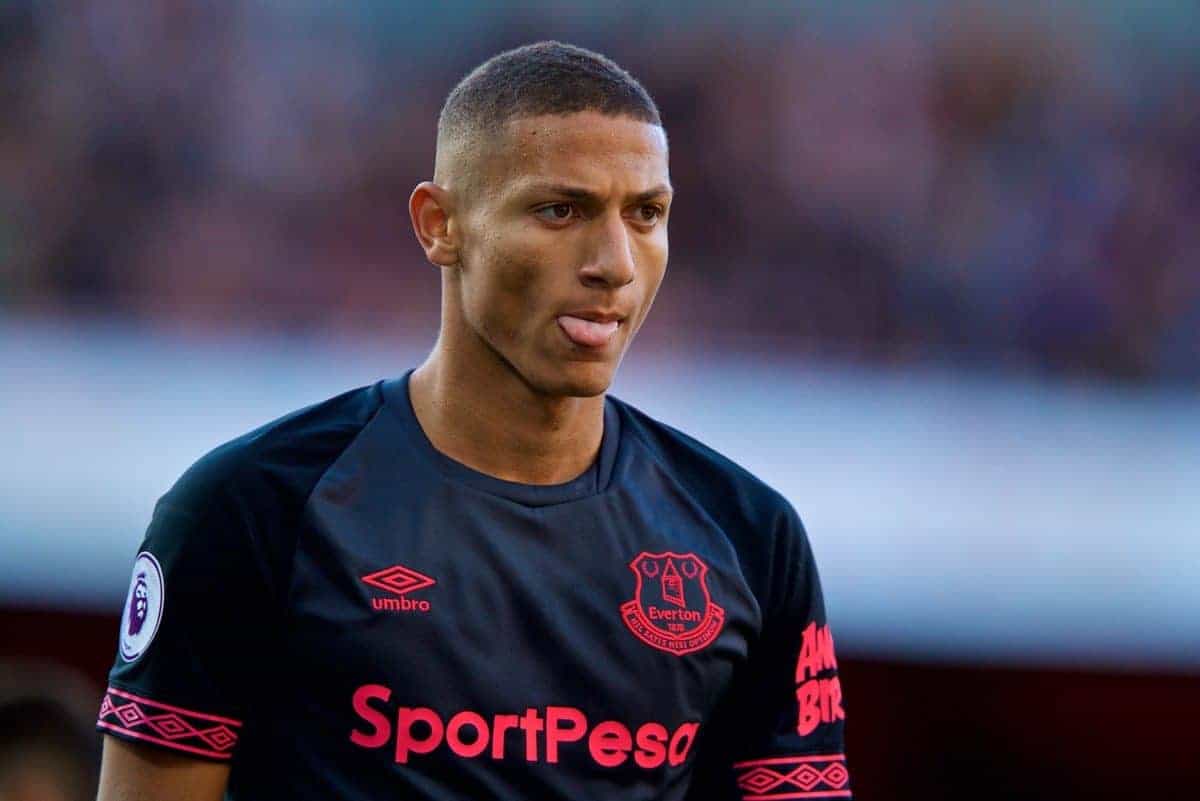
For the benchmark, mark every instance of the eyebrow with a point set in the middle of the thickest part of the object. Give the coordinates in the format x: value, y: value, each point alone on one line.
x: 577, y: 193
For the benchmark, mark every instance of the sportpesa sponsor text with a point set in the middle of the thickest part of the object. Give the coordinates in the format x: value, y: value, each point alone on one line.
x: 536, y: 734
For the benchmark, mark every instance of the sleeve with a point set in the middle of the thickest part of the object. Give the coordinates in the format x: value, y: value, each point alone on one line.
x: 193, y: 628
x: 781, y: 728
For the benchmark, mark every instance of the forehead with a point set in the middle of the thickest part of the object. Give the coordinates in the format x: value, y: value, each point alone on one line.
x: 587, y: 148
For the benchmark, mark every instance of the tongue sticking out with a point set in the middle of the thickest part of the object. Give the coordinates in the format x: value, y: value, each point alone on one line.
x: 586, y: 332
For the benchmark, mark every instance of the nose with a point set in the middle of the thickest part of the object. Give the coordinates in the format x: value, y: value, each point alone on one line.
x: 611, y: 264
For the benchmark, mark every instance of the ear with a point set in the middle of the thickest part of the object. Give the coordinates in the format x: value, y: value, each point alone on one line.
x: 430, y: 208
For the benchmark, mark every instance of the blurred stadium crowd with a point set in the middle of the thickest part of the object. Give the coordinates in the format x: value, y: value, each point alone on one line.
x: 960, y: 186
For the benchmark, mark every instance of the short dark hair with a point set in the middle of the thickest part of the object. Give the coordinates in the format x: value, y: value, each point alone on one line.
x: 542, y: 78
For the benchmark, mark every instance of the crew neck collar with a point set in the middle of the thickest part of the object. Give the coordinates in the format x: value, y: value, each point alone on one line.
x: 592, y: 481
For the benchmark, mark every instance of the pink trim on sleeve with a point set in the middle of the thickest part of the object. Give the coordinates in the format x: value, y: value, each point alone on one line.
x: 812, y: 776
x: 174, y: 727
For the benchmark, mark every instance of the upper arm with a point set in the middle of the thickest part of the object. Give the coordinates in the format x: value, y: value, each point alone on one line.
x: 131, y: 772
x: 195, y: 628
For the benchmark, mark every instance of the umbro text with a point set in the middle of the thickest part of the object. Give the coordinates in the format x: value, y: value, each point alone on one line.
x: 399, y: 605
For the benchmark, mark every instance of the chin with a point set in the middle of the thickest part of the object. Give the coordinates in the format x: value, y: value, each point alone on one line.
x: 575, y: 379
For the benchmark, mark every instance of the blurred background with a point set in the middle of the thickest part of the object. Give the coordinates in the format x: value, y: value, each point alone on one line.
x: 935, y: 275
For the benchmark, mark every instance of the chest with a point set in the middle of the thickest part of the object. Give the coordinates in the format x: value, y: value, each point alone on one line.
x: 619, y: 609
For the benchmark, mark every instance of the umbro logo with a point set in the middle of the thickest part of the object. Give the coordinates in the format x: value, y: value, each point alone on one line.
x: 400, y: 581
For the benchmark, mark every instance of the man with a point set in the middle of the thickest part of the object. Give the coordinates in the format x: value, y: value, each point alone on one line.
x: 486, y: 579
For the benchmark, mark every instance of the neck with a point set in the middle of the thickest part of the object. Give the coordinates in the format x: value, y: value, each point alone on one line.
x: 481, y: 413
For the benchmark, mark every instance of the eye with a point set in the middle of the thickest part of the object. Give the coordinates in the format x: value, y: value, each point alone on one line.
x: 648, y: 214
x: 556, y: 212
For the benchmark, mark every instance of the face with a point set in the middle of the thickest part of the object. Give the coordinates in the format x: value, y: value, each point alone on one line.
x: 562, y: 247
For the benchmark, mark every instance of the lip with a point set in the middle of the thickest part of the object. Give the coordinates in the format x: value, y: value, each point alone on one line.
x: 596, y: 315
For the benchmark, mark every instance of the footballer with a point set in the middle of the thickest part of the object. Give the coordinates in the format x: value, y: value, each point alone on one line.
x: 487, y: 578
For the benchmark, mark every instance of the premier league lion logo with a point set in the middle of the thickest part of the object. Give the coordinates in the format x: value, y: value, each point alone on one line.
x: 671, y: 608
x: 143, y: 606
x: 138, y: 604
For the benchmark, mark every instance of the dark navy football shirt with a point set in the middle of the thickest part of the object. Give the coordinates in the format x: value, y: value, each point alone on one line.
x: 343, y: 612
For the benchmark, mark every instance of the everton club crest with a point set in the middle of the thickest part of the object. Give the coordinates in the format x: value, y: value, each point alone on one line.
x: 671, y: 608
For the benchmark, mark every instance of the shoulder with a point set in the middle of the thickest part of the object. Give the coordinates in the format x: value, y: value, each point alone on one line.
x: 702, y: 466
x: 745, y: 505
x: 255, y: 486
x: 289, y: 453
x: 761, y: 524
x: 242, y: 503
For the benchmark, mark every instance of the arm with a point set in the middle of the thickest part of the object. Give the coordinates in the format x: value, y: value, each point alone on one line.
x: 192, y: 635
x: 131, y: 772
x: 779, y: 732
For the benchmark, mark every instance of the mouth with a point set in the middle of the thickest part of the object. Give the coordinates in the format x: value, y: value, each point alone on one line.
x: 590, y: 329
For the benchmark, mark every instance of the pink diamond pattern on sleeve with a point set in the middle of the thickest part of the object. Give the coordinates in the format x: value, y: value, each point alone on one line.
x: 816, y: 776
x: 192, y: 732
